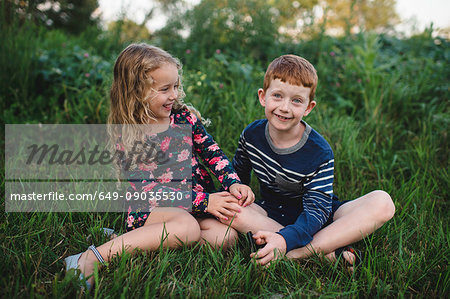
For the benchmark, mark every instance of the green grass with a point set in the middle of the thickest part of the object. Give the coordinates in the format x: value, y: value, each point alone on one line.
x: 383, y: 105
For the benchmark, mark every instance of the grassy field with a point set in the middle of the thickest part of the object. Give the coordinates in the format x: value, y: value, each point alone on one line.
x: 383, y: 105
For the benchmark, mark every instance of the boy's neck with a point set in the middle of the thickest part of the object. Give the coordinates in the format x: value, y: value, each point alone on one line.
x: 286, y: 139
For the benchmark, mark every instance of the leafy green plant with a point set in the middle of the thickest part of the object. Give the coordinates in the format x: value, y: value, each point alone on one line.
x: 382, y: 104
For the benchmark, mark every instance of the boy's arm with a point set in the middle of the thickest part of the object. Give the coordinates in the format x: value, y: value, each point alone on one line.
x: 316, y: 208
x: 241, y: 162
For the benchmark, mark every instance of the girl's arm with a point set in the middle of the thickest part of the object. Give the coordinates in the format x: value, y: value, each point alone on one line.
x: 200, y: 202
x: 220, y: 204
x: 211, y: 155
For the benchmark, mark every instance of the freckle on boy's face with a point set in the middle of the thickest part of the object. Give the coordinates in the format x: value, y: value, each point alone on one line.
x: 285, y: 105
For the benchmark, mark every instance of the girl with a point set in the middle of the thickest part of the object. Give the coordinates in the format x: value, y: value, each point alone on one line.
x: 147, y: 90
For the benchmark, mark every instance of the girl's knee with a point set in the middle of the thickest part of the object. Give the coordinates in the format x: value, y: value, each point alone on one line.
x: 188, y: 227
x: 231, y: 238
x: 384, y: 205
x: 218, y: 234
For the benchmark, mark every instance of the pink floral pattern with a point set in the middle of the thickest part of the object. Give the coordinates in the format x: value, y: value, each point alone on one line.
x: 188, y: 140
x: 183, y: 156
x: 214, y: 160
x: 199, y: 138
x: 199, y: 198
x: 221, y: 164
x: 147, y: 167
x: 205, y: 152
x: 165, y: 144
x: 198, y: 188
x: 149, y: 187
x: 166, y: 177
x: 213, y: 147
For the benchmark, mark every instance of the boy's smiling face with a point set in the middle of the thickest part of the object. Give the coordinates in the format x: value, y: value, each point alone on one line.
x: 285, y: 106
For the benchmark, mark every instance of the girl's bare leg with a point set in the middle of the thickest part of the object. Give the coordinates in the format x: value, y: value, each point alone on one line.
x: 173, y: 225
x: 253, y: 218
x: 352, y: 222
x: 216, y: 234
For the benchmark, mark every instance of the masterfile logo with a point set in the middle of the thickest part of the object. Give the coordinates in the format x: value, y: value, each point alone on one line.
x: 97, y: 167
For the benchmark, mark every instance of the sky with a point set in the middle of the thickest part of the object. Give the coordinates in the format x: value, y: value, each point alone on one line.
x: 412, y: 12
x: 425, y: 12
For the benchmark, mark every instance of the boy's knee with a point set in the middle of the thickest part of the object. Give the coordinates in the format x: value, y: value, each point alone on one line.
x: 384, y: 205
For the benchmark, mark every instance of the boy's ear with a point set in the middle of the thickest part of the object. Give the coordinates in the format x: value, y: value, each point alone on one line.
x: 262, y: 97
x: 311, y: 105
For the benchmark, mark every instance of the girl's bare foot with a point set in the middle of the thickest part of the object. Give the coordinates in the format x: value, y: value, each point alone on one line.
x: 86, y: 265
x: 109, y: 232
x: 113, y: 236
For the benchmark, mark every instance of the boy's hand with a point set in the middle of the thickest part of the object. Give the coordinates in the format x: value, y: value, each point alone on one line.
x: 243, y: 193
x: 274, y: 249
x: 223, y: 205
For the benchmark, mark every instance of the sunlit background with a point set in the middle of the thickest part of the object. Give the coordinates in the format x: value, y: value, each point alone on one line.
x: 382, y: 104
x: 415, y: 15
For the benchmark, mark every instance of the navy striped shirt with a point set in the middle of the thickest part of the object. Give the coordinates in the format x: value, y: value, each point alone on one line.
x: 296, y: 183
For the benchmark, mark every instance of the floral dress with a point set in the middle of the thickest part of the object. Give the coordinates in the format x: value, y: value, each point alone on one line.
x: 205, y: 152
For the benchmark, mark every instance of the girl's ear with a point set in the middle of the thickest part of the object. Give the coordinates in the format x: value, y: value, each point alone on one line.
x: 262, y: 97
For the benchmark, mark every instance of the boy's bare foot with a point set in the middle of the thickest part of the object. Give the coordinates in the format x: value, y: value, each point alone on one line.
x: 348, y: 256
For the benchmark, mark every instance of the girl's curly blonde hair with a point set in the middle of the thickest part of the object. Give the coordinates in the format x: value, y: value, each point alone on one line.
x: 129, y: 108
x: 132, y: 81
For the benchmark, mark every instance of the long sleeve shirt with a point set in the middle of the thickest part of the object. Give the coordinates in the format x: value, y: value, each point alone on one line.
x: 296, y: 183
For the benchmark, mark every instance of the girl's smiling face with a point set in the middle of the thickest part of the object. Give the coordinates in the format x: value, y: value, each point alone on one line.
x: 164, y: 92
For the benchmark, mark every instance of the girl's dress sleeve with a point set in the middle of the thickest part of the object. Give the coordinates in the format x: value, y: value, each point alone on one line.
x: 214, y: 158
x: 200, y: 202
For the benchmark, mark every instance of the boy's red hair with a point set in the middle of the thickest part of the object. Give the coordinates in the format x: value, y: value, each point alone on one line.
x: 294, y: 70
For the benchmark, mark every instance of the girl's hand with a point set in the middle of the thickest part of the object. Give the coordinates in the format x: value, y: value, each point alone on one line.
x: 223, y: 205
x: 243, y: 193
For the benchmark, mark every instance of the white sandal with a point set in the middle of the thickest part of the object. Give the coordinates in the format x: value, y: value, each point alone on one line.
x: 109, y: 232
x: 72, y: 263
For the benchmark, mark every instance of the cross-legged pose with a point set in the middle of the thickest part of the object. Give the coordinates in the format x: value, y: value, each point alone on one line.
x: 298, y: 214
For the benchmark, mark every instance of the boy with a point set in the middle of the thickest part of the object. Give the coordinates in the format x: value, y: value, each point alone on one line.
x: 298, y: 213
